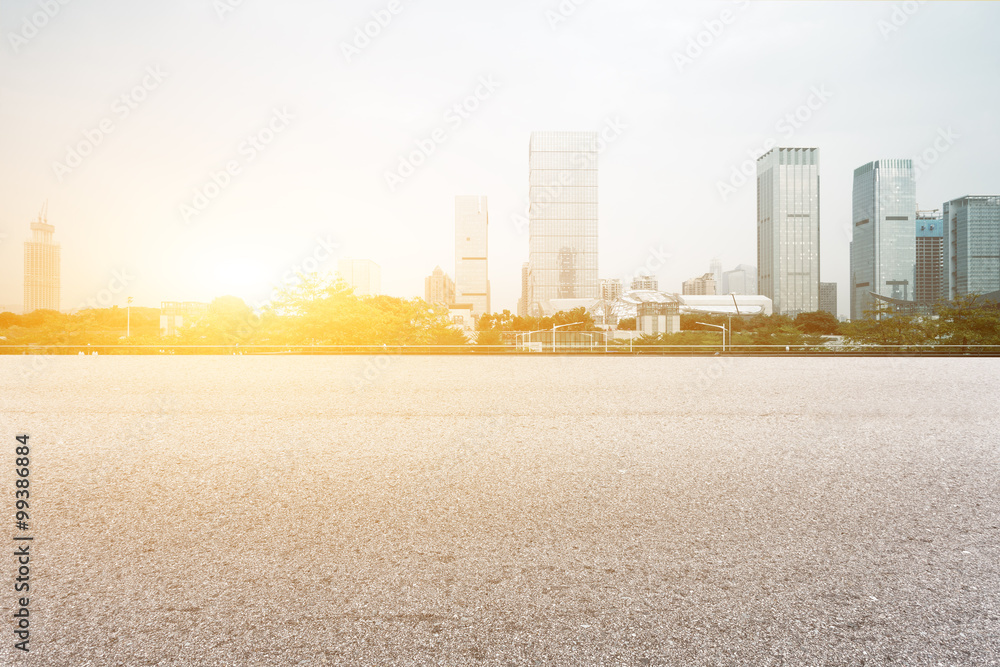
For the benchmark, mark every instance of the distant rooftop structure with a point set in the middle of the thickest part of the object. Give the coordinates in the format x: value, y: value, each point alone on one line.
x: 645, y: 282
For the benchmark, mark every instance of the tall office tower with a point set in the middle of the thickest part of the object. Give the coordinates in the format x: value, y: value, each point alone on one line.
x: 702, y: 285
x: 929, y: 272
x: 741, y: 280
x: 788, y: 229
x: 522, y: 303
x: 41, y: 266
x: 472, y: 282
x: 439, y: 288
x: 828, y: 298
x: 715, y: 268
x: 363, y: 275
x: 883, y: 247
x: 643, y: 281
x: 562, y: 212
x: 972, y: 245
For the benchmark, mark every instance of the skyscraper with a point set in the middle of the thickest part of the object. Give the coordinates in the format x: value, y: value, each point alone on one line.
x: 562, y: 216
x: 41, y: 266
x: 715, y: 268
x: 972, y: 245
x: 439, y: 288
x: 788, y: 229
x: 741, y: 280
x: 472, y: 284
x: 364, y: 275
x: 883, y: 247
x: 828, y: 298
x: 929, y: 272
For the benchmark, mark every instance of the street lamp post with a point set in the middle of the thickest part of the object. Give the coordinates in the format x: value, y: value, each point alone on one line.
x: 717, y: 326
x: 554, y: 327
x: 733, y: 294
x: 528, y: 334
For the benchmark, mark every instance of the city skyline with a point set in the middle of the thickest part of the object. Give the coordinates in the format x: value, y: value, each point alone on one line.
x: 675, y: 147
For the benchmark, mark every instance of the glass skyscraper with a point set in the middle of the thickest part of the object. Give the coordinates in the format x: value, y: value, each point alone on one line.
x: 972, y: 245
x: 788, y: 229
x: 472, y: 283
x: 883, y: 246
x: 562, y: 245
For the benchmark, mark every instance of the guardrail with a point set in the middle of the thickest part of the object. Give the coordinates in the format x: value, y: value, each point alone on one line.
x: 584, y: 350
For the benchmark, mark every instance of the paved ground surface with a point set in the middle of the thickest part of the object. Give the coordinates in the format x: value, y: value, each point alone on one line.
x: 418, y: 511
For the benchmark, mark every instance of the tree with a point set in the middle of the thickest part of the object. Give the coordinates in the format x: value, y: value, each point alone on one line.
x: 818, y: 322
x: 489, y: 337
x: 969, y: 320
x: 319, y: 310
x: 882, y: 325
x: 228, y: 321
x: 578, y: 319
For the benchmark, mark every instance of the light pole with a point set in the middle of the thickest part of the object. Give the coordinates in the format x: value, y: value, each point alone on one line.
x: 733, y: 294
x: 554, y: 327
x: 128, y: 319
x: 717, y: 326
x: 528, y: 334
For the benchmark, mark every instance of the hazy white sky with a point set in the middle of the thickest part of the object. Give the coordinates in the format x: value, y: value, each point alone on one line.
x: 199, y: 80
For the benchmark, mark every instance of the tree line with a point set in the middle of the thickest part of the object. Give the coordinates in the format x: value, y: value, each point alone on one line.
x: 320, y: 310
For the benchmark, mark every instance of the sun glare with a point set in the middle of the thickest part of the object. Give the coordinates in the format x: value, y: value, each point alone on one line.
x: 239, y: 275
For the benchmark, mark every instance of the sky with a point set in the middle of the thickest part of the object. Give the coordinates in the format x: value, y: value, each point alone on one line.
x: 198, y: 148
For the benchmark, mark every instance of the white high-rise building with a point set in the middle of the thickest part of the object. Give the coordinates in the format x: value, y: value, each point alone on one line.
x: 472, y: 283
x: 788, y: 229
x: 364, y: 275
x: 563, y: 219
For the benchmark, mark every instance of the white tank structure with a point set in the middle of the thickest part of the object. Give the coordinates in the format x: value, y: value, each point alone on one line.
x: 722, y: 304
x: 727, y: 304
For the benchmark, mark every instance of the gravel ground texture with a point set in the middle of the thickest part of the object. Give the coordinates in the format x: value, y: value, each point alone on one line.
x: 275, y: 510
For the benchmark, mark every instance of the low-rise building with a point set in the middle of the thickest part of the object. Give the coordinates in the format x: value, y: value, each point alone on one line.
x: 175, y: 315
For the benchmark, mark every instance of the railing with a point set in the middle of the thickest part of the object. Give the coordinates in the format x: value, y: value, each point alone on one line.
x: 570, y: 349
